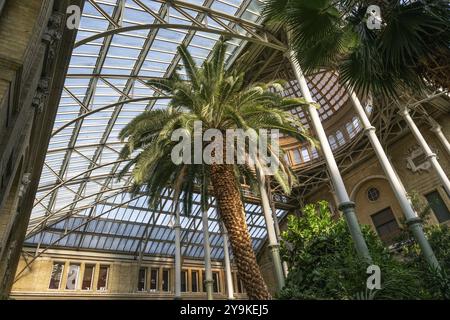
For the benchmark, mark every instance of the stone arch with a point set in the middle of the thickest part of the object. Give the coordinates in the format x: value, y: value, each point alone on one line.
x: 362, y: 182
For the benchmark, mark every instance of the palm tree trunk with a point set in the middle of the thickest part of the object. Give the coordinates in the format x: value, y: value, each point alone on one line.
x: 232, y: 212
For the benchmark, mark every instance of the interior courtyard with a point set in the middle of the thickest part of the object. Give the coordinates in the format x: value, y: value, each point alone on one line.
x: 78, y: 213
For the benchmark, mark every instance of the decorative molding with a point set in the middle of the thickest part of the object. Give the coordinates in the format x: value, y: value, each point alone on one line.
x: 40, y: 98
x: 416, y: 160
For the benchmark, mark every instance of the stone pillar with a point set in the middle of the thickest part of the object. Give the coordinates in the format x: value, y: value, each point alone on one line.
x: 177, y: 229
x: 437, y: 129
x: 345, y: 205
x: 271, y: 234
x: 412, y: 219
x: 431, y: 156
x: 207, y: 253
x: 226, y: 258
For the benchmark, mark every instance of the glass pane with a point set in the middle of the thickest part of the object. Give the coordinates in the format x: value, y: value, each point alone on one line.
x: 102, y: 283
x: 386, y: 225
x: 72, y: 277
x: 194, y: 276
x: 57, y: 272
x: 165, y: 281
x: 438, y: 206
x: 216, y: 282
x: 88, y: 277
x: 142, y: 279
x: 154, y: 280
x: 296, y: 156
x: 183, y: 281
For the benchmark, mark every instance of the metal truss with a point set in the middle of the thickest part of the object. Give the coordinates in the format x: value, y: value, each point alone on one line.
x: 79, y: 194
x: 79, y: 177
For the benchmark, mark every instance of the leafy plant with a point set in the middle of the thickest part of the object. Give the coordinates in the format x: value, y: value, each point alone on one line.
x: 412, y: 48
x: 324, y: 264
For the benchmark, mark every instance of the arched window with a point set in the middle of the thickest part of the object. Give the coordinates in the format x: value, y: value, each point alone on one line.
x: 340, y: 137
x: 305, y: 154
x: 314, y: 152
x: 356, y: 124
x: 332, y: 141
x: 297, y: 158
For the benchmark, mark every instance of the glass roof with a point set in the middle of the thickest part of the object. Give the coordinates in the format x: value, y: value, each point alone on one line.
x: 79, y: 202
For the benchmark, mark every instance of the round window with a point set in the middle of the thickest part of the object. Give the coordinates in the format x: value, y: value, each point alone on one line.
x: 373, y: 194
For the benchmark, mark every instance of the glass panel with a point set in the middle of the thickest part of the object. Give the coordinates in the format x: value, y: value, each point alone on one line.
x: 154, y: 279
x: 166, y: 280
x: 296, y: 156
x: 194, y: 279
x: 102, y: 283
x: 240, y: 287
x: 57, y: 272
x: 216, y: 282
x: 438, y: 206
x: 72, y: 277
x: 88, y: 277
x: 183, y: 281
x: 305, y: 154
x: 386, y: 225
x: 203, y: 281
x: 142, y: 279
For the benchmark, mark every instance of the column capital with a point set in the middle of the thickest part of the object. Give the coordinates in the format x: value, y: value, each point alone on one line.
x: 404, y: 111
x: 436, y: 128
x: 288, y: 53
x: 413, y: 221
x: 431, y: 155
x: 177, y: 225
x: 346, y: 205
x: 369, y: 129
x: 274, y: 246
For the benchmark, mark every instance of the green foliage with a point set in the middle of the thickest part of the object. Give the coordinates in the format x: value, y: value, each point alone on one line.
x: 437, y: 282
x: 324, y: 263
x: 334, y: 35
x: 219, y: 99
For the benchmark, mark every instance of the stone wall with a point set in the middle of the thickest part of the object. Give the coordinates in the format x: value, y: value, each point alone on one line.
x: 33, y: 282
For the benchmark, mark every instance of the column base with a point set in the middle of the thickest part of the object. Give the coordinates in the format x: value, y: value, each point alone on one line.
x: 413, y: 221
x: 348, y: 209
x: 346, y: 205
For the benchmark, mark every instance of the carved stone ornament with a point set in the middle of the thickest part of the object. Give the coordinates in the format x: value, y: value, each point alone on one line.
x: 416, y: 160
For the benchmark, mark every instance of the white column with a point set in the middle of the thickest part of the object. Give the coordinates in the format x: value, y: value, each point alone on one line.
x: 345, y: 204
x: 431, y: 156
x: 273, y: 240
x: 277, y: 226
x: 177, y: 228
x: 226, y: 258
x: 207, y: 253
x: 411, y: 216
x: 437, y: 129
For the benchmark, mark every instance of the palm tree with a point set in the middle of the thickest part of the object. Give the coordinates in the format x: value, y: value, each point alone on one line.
x: 411, y: 50
x: 219, y: 99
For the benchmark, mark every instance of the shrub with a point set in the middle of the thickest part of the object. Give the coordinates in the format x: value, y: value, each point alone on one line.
x: 324, y: 263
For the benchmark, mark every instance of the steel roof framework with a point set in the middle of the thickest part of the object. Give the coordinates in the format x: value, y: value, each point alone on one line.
x: 121, y: 44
